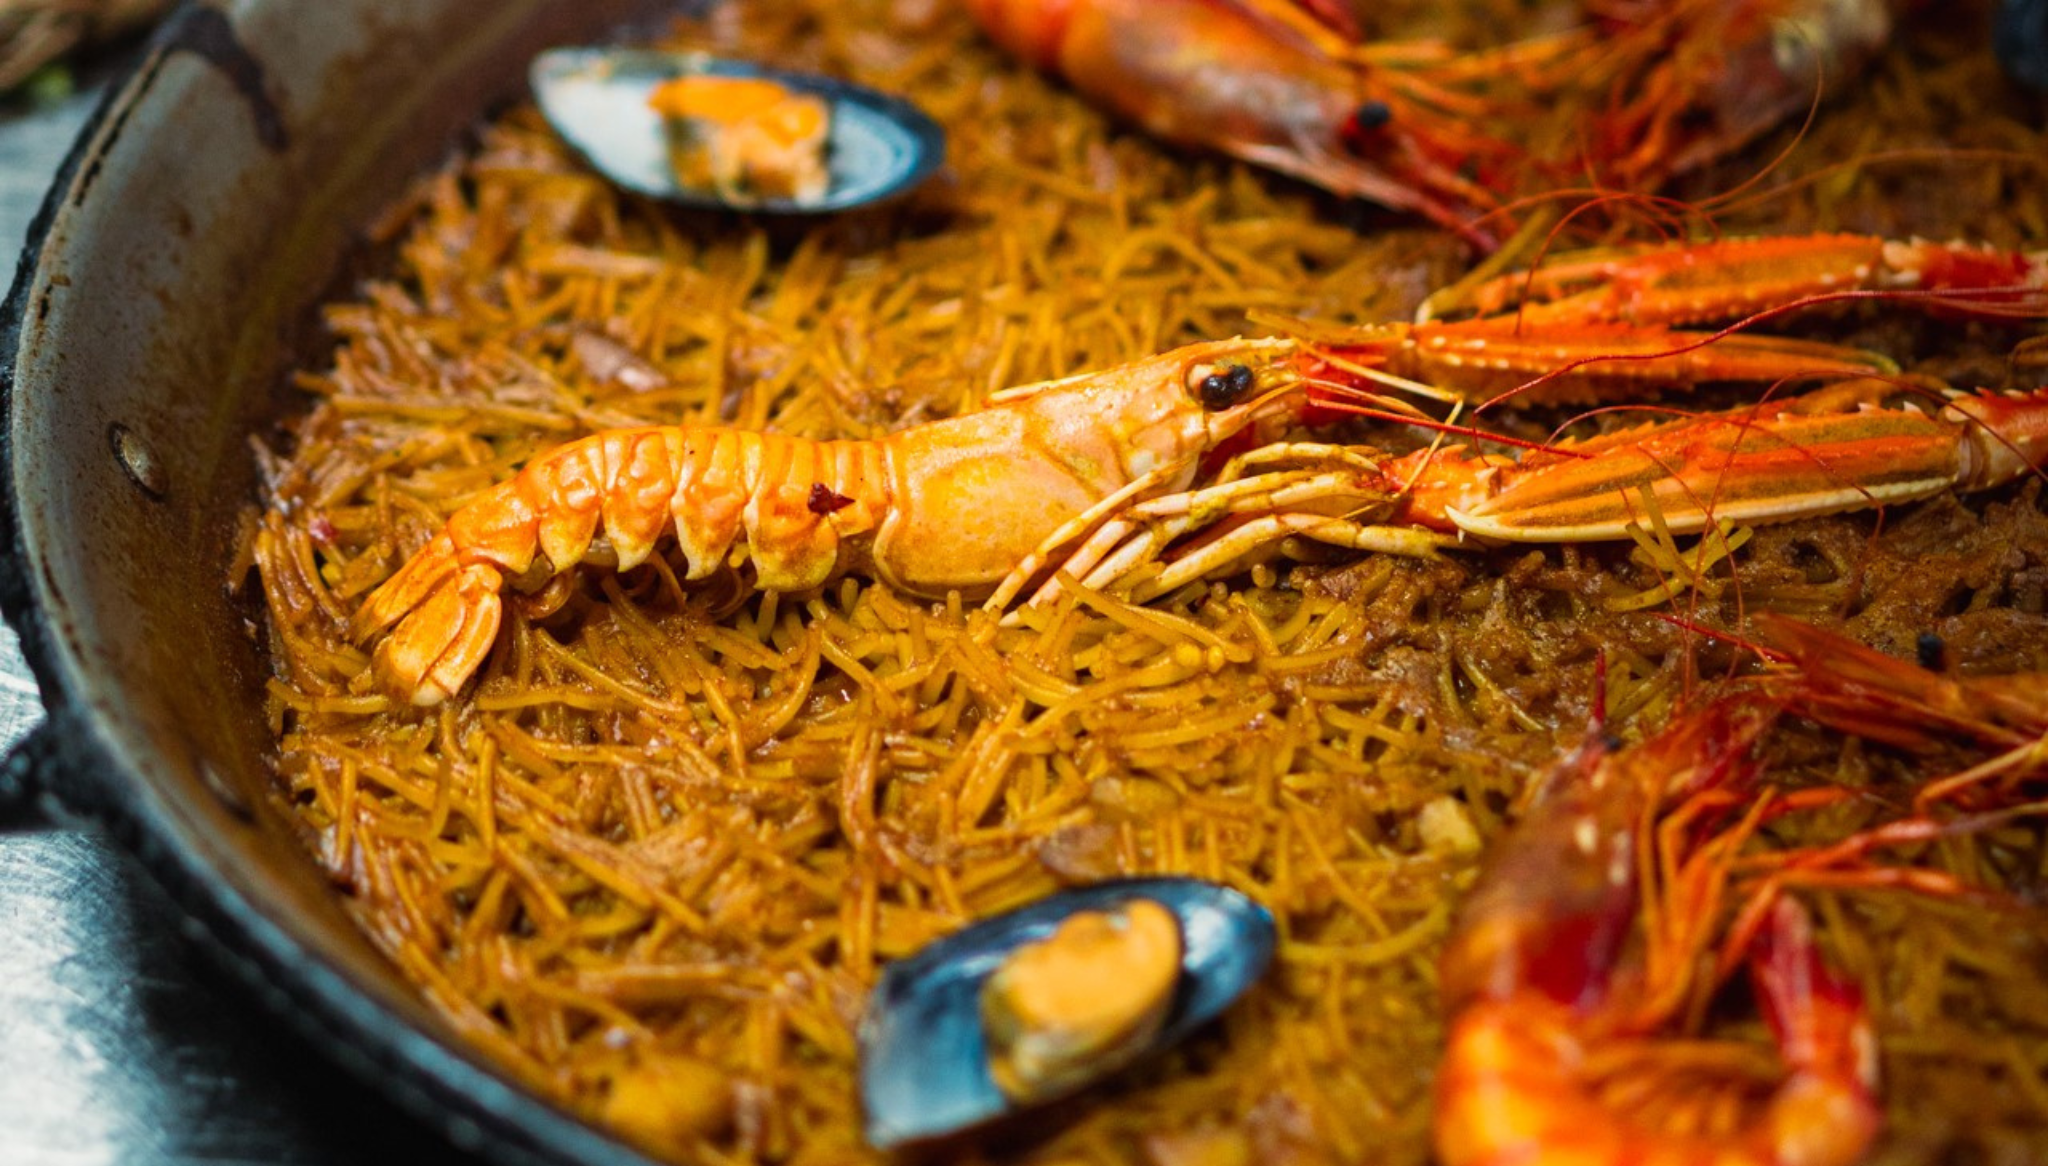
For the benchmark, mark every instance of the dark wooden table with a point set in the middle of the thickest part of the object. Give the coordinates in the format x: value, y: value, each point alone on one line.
x: 120, y: 1042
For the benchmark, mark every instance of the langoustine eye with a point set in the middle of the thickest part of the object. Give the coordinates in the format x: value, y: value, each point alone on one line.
x: 1225, y: 386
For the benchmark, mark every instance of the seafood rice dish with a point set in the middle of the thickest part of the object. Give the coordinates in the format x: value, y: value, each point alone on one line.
x: 1501, y: 623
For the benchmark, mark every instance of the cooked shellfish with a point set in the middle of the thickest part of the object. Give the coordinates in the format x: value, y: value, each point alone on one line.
x: 1033, y: 1005
x: 878, y: 146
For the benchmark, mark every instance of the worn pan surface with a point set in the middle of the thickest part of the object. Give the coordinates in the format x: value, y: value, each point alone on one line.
x: 168, y: 278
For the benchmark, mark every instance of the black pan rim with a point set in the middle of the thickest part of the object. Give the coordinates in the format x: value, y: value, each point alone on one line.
x: 78, y: 772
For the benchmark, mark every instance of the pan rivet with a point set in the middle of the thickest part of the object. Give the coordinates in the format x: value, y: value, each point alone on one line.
x: 138, y: 459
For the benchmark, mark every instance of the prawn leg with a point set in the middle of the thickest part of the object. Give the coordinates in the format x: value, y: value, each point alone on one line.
x: 1826, y: 1112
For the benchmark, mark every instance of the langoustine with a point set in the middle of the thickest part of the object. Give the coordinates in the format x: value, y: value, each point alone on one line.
x: 1098, y: 473
x: 949, y: 505
x: 1602, y: 325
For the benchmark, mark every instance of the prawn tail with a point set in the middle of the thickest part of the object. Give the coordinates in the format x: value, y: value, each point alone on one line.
x: 441, y: 615
x: 420, y: 577
x: 443, y: 640
x: 610, y: 498
x: 1826, y: 1113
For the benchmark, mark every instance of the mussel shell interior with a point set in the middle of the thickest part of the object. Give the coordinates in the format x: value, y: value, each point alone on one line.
x: 924, y: 1067
x: 596, y: 98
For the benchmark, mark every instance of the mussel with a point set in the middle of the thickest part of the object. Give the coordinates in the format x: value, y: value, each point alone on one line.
x: 1031, y: 1006
x: 874, y: 145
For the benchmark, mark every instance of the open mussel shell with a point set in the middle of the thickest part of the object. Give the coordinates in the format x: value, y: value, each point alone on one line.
x: 924, y: 1057
x: 596, y: 98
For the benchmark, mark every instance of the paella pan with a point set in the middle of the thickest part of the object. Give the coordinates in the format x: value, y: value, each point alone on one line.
x: 651, y: 844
